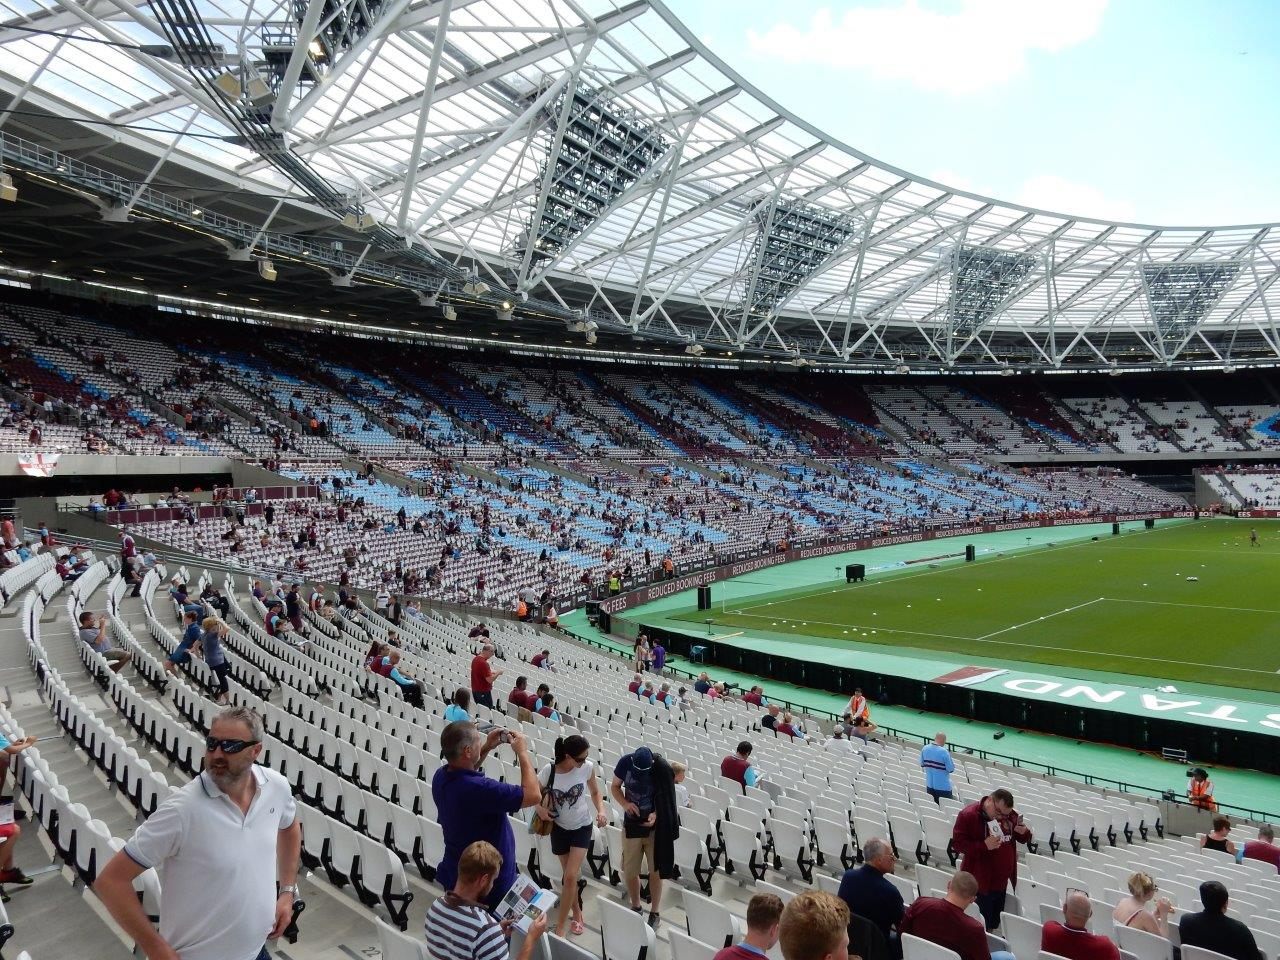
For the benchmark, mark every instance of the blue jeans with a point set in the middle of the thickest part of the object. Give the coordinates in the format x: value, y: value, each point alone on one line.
x: 266, y: 956
x: 995, y: 955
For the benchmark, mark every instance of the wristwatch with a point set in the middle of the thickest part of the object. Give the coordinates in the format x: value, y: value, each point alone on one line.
x: 291, y: 889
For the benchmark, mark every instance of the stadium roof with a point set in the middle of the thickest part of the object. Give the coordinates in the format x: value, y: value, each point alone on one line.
x: 592, y: 167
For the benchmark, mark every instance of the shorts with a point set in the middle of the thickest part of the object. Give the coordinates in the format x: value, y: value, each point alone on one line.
x: 563, y: 840
x: 179, y: 656
x: 114, y: 656
x: 635, y: 849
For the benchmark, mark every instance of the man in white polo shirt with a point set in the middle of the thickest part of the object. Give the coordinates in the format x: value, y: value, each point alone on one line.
x: 209, y: 842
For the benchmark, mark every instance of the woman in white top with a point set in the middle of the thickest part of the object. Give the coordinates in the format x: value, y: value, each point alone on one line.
x: 572, y: 801
x: 1132, y: 910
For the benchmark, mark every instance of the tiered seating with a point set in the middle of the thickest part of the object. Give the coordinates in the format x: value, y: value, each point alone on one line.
x: 928, y: 427
x: 1120, y: 424
x: 1195, y: 427
x: 990, y: 424
x: 1258, y: 490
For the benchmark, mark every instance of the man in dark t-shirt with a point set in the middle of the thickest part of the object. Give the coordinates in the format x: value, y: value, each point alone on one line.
x: 1212, y: 929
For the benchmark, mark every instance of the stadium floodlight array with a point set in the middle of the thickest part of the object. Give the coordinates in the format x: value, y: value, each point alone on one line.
x: 339, y: 28
x: 982, y: 279
x: 793, y: 242
x: 603, y: 151
x: 1179, y: 295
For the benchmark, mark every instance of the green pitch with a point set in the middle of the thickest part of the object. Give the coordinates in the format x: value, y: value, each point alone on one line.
x: 1125, y: 604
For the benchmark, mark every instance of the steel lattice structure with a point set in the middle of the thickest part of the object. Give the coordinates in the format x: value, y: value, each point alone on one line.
x: 590, y: 160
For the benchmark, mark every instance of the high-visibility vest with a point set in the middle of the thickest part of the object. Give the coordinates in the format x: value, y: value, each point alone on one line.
x: 522, y: 609
x: 1202, y: 795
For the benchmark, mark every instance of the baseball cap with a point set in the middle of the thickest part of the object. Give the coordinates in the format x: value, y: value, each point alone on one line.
x: 642, y: 760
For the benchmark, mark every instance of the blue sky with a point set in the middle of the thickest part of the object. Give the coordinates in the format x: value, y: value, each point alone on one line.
x: 1154, y: 111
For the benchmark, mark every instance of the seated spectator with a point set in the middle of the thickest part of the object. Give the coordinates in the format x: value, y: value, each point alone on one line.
x: 542, y: 660
x: 459, y: 927
x: 1264, y: 848
x: 479, y: 630
x: 665, y: 697
x: 647, y: 692
x: 839, y: 743
x: 870, y: 895
x: 93, y: 631
x: 678, y: 772
x: 213, y: 597
x: 737, y: 766
x: 863, y: 728
x: 943, y: 921
x: 547, y: 708
x: 764, y: 913
x: 814, y: 926
x: 66, y: 571
x: 410, y: 688
x: 535, y: 703
x: 374, y: 654
x: 1212, y: 929
x: 703, y: 683
x: 456, y: 711
x: 1072, y: 938
x: 518, y: 694
x: 770, y: 719
x: 190, y: 638
x: 1216, y: 839
x: 790, y: 726
x: 1132, y: 910
x: 755, y: 696
x: 637, y: 681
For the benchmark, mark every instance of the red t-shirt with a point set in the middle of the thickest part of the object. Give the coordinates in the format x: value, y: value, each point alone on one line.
x: 518, y: 697
x: 942, y: 922
x: 736, y: 952
x: 1076, y: 944
x: 481, y: 681
x: 735, y: 768
x: 1261, y: 850
x: 752, y: 698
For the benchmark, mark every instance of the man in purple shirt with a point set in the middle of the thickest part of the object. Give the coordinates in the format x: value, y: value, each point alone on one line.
x: 658, y: 655
x: 471, y: 806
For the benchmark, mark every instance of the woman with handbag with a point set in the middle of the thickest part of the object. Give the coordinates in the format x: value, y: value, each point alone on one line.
x: 571, y: 805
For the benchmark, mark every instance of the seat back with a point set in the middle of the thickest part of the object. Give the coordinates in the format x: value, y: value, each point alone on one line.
x: 684, y: 947
x: 1023, y: 935
x: 1143, y: 945
x: 625, y: 935
x: 914, y: 948
x: 399, y: 946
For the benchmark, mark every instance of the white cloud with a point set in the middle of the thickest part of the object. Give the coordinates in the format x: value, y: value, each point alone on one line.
x: 980, y: 45
x: 1048, y: 191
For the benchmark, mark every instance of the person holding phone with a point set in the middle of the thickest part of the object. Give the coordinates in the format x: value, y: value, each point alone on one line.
x: 984, y: 835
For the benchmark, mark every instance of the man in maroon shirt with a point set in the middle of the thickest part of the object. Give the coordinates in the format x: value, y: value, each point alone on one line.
x: 482, y: 676
x: 735, y: 766
x: 763, y: 913
x: 1264, y: 848
x: 984, y: 835
x: 1072, y: 939
x: 944, y: 922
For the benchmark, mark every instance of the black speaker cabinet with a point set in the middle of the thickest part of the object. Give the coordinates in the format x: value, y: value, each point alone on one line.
x: 855, y: 572
x: 704, y: 598
x: 970, y: 554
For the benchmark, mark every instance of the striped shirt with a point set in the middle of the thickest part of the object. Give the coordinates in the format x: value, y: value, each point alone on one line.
x: 460, y: 930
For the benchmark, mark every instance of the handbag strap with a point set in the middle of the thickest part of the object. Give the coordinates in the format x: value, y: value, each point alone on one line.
x: 547, y: 792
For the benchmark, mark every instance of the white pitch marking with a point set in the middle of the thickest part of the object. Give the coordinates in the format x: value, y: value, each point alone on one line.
x: 1059, y: 613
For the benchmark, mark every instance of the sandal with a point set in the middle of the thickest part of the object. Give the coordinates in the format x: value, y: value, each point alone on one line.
x: 577, y: 928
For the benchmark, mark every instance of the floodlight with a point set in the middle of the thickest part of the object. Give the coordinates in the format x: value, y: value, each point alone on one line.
x: 449, y: 312
x: 428, y: 299
x: 695, y: 349
x: 228, y: 84
x: 505, y: 310
x: 8, y: 189
x: 267, y: 270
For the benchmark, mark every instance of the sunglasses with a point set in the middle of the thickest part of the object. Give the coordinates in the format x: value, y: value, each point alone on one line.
x: 227, y: 746
x: 582, y: 759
